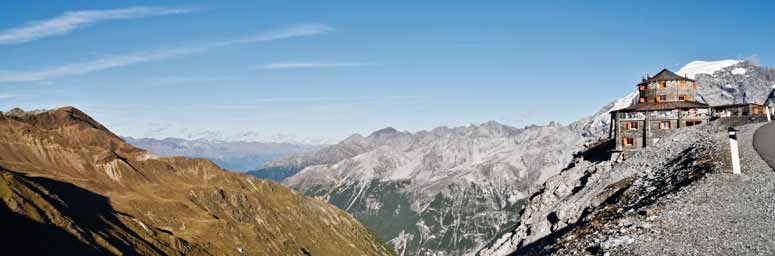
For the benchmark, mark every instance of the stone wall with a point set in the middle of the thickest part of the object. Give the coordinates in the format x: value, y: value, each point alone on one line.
x: 672, y: 91
x: 636, y: 134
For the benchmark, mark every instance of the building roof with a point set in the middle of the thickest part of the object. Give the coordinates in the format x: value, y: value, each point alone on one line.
x: 665, y: 75
x: 665, y: 105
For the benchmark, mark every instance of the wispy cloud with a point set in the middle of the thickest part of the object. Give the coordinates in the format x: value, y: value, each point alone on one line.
x: 179, y: 80
x: 7, y: 96
x: 70, y: 21
x: 298, y: 65
x: 339, y: 99
x: 108, y: 62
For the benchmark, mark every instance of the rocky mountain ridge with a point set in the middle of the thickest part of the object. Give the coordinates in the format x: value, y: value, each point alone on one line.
x: 66, y: 177
x: 443, y: 191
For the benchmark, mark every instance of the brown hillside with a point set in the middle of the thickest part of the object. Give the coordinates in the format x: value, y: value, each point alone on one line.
x: 68, y: 184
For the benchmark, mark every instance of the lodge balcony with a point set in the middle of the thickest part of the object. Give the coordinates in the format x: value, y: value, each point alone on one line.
x: 698, y: 114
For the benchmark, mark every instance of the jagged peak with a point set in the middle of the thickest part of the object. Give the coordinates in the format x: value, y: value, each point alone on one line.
x: 492, y: 123
x: 554, y: 124
x: 352, y: 138
x: 384, y: 131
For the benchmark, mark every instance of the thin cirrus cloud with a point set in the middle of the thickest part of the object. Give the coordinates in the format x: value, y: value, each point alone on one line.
x: 302, y: 65
x: 340, y: 99
x: 108, y: 62
x: 7, y: 96
x: 70, y: 21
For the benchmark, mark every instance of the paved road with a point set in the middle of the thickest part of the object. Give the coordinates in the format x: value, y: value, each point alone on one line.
x: 764, y: 143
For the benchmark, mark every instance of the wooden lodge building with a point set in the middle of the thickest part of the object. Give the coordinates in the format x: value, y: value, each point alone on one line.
x: 666, y: 102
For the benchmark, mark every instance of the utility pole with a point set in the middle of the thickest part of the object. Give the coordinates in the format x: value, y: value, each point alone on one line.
x: 734, y: 150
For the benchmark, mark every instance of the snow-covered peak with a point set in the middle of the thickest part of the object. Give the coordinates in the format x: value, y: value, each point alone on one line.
x: 704, y: 67
x: 624, y: 102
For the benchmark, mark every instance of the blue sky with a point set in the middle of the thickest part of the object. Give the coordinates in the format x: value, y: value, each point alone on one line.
x: 321, y: 70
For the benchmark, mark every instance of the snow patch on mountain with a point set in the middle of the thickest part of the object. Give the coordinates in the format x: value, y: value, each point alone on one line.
x: 596, y: 126
x: 624, y: 102
x: 705, y: 67
x: 739, y: 71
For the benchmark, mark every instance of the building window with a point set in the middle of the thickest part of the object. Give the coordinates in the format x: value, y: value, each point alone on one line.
x: 755, y: 110
x: 642, y: 87
x: 682, y: 84
x: 694, y: 85
x: 642, y: 99
x: 683, y: 98
x: 632, y: 125
x: 628, y: 141
x: 660, y: 98
x: 664, y: 124
x: 693, y: 123
x: 662, y: 85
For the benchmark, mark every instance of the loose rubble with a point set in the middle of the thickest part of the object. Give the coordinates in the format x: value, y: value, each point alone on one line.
x: 676, y: 198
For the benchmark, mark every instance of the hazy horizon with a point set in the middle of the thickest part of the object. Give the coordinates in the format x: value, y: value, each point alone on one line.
x: 319, y: 72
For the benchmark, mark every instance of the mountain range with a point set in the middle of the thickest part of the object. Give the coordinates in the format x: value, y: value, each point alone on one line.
x: 70, y: 186
x: 450, y: 190
x: 487, y: 189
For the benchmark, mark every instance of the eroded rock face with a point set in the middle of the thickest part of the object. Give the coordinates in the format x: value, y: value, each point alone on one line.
x: 63, y: 173
x: 443, y: 191
x: 743, y: 82
x: 586, y: 192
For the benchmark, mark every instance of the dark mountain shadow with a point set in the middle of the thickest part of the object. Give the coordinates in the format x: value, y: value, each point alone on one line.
x: 24, y: 236
x: 89, y: 211
x: 598, y: 152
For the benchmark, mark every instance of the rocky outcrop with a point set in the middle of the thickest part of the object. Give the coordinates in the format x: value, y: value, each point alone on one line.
x: 743, y: 82
x: 444, y: 191
x: 590, y: 193
x: 65, y: 177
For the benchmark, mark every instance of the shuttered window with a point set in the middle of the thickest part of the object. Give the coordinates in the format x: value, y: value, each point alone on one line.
x: 693, y: 123
x: 628, y: 141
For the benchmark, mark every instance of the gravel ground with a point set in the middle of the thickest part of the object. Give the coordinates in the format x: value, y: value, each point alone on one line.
x: 721, y: 214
